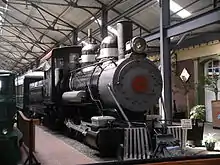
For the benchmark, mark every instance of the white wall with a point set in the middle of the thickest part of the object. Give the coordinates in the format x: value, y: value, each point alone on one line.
x: 198, y: 51
x: 202, y: 50
x: 209, y: 96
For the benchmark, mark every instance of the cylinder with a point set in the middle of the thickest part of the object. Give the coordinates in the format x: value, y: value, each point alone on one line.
x: 124, y: 29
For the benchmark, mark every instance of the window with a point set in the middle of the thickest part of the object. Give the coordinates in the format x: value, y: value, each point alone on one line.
x: 213, y: 67
x: 4, y: 85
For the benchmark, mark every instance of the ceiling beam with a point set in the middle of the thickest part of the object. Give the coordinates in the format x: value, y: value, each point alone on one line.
x: 199, y: 21
x: 18, y: 46
x: 25, y: 24
x: 88, y: 22
x: 197, y: 40
x: 28, y: 2
x: 9, y: 51
x: 98, y: 14
x: 124, y: 14
x: 53, y: 15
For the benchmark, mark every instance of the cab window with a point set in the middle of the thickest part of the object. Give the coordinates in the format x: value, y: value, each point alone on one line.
x: 4, y: 85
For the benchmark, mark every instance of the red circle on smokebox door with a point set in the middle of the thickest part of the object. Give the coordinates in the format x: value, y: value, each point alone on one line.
x: 139, y: 84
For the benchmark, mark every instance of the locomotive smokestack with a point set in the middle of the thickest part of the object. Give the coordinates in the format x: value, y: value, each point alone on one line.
x: 124, y: 29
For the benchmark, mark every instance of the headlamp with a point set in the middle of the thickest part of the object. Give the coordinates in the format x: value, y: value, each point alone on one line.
x: 138, y: 45
x: 4, y: 131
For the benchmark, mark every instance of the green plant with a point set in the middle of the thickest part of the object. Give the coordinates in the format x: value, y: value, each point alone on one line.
x: 209, y: 138
x: 211, y: 83
x: 209, y: 141
x: 198, y: 112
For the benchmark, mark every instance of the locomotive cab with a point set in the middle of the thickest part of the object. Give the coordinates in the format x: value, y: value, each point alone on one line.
x: 58, y: 64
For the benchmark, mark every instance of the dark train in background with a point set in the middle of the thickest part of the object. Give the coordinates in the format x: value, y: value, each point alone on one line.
x: 100, y: 93
x: 10, y: 136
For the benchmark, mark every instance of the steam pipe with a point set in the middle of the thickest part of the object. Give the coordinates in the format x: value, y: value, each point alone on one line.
x: 119, y: 106
x: 124, y: 29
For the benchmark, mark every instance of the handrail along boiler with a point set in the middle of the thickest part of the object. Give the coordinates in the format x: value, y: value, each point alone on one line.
x: 100, y: 91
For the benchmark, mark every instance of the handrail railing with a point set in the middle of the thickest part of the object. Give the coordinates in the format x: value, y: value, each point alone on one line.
x: 23, y: 125
x: 27, y: 127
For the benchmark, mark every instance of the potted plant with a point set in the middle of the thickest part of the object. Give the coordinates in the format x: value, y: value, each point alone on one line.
x: 211, y: 84
x: 195, y: 135
x: 209, y: 142
x: 198, y: 113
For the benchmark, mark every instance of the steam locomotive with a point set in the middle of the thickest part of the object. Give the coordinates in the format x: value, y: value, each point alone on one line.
x: 99, y: 93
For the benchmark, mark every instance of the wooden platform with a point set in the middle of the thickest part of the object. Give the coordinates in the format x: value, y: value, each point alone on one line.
x: 52, y: 151
x: 205, y: 160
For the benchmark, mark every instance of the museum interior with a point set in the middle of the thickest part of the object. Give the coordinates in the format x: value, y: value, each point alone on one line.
x: 109, y: 82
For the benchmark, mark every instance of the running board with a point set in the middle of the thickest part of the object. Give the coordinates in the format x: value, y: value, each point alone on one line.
x: 80, y: 128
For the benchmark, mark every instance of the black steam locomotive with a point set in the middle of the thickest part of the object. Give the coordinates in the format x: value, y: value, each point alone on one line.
x: 100, y: 93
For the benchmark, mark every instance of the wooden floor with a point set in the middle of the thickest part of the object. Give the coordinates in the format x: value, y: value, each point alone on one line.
x: 52, y: 151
